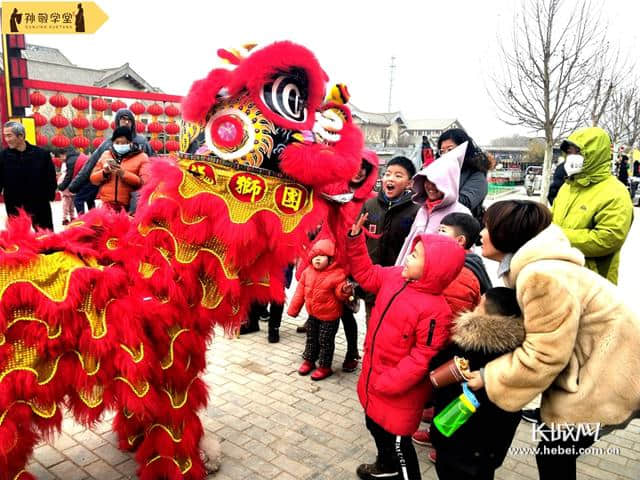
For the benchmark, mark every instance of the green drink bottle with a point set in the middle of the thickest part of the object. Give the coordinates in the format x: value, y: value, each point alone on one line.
x: 457, y: 412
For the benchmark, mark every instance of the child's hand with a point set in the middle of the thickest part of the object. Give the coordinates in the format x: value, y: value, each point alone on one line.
x: 475, y: 380
x: 356, y: 228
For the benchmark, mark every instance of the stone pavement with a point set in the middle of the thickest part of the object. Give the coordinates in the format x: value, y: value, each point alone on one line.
x: 274, y: 424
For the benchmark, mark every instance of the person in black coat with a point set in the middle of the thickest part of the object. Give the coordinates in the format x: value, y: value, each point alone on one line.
x: 623, y: 170
x: 27, y: 177
x: 479, y: 446
x: 474, y: 185
x: 559, y: 176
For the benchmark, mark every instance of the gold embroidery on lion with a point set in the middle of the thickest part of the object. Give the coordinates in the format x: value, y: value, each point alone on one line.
x: 187, y: 252
x: 184, y: 464
x: 97, y: 318
x: 25, y: 358
x: 174, y: 332
x: 50, y: 274
x: 27, y: 315
x: 211, y: 296
x: 92, y: 398
x: 241, y: 212
x: 141, y: 389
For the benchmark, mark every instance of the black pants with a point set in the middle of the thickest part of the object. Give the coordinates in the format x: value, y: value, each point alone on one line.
x: 87, y: 194
x: 450, y: 469
x: 395, y: 450
x: 351, y: 333
x: 553, y: 465
x: 321, y: 341
x: 275, y: 315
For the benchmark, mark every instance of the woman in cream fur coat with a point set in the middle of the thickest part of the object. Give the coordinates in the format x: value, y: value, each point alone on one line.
x: 582, y: 342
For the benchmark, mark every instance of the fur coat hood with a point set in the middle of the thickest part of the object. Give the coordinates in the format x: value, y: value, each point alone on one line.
x: 487, y: 333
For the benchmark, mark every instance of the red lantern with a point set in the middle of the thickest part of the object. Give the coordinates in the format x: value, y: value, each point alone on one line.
x: 171, y: 110
x: 117, y: 105
x: 172, y: 145
x: 99, y: 104
x: 42, y: 140
x: 37, y: 99
x: 97, y: 142
x: 172, y: 128
x: 80, y: 123
x: 156, y: 144
x: 39, y: 119
x: 60, y: 141
x: 59, y: 121
x: 58, y: 100
x: 155, y: 110
x: 137, y: 108
x: 141, y: 127
x: 155, y: 127
x: 100, y: 123
x: 80, y: 142
x: 112, y: 125
x: 80, y: 103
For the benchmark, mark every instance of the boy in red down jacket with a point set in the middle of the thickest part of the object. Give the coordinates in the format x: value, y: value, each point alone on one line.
x: 322, y: 289
x: 409, y: 324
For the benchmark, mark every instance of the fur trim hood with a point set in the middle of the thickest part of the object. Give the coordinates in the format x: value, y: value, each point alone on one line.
x: 488, y: 333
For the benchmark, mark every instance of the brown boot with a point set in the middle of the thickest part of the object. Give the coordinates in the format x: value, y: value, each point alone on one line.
x: 302, y: 328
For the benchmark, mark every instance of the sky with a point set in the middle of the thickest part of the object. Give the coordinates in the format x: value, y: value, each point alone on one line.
x: 444, y: 50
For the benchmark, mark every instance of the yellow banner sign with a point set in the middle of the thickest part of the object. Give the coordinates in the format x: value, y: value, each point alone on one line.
x: 51, y: 17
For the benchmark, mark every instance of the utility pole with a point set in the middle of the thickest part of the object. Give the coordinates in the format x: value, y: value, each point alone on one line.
x: 392, y: 67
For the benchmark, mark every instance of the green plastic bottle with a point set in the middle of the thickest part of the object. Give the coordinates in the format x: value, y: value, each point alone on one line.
x: 457, y: 412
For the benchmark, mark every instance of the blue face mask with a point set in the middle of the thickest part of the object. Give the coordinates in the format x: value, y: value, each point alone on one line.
x: 122, y: 149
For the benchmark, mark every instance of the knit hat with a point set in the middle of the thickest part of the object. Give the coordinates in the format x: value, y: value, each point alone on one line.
x: 122, y: 132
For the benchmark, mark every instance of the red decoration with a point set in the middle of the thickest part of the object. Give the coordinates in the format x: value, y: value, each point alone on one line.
x: 80, y: 142
x: 80, y: 103
x: 37, y: 99
x: 99, y: 104
x: 156, y: 144
x: 155, y: 110
x: 100, y: 124
x: 60, y: 141
x: 172, y: 145
x: 172, y: 128
x: 59, y: 121
x: 112, y: 125
x: 42, y: 140
x: 171, y: 110
x: 58, y: 100
x: 80, y: 123
x: 117, y: 105
x: 137, y: 108
x: 290, y: 198
x: 155, y: 127
x: 97, y: 142
x: 247, y: 187
x: 39, y: 119
x: 227, y: 131
x: 141, y: 127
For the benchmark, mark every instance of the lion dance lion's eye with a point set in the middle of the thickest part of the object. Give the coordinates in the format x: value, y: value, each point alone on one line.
x: 286, y: 96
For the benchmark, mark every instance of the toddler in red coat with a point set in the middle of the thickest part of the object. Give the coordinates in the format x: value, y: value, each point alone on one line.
x: 410, y: 322
x: 322, y: 290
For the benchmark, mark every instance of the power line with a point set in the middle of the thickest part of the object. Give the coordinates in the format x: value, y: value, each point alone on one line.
x: 392, y: 67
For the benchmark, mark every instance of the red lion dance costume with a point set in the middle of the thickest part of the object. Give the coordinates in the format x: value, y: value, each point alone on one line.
x: 116, y: 314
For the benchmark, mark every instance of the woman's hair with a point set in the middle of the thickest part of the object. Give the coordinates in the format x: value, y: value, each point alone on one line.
x: 512, y: 223
x: 502, y: 301
x: 473, y: 157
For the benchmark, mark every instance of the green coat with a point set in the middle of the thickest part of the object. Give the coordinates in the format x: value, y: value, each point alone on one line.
x: 593, y: 208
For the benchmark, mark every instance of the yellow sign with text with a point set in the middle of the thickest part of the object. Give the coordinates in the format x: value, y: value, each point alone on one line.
x: 51, y: 17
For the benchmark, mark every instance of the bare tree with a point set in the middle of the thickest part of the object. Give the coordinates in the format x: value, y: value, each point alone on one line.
x: 609, y: 72
x: 622, y: 118
x: 545, y: 68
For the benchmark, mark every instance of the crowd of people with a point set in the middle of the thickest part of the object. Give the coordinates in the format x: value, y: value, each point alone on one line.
x: 409, y: 252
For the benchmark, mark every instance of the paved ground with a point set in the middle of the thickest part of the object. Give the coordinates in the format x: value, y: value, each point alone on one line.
x: 274, y: 424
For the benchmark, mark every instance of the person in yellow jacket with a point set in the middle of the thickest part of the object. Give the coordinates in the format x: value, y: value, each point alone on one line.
x: 592, y: 207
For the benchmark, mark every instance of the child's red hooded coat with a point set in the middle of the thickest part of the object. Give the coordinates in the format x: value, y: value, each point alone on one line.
x: 321, y: 291
x: 409, y: 324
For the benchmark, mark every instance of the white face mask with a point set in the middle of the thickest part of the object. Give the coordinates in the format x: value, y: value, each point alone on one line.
x: 122, y: 149
x: 574, y: 164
